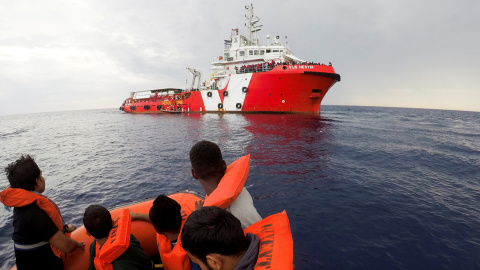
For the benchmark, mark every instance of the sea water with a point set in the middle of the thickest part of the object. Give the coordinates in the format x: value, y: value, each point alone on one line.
x: 363, y: 187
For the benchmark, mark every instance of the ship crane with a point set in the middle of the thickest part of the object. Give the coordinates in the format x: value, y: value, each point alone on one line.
x: 196, y: 75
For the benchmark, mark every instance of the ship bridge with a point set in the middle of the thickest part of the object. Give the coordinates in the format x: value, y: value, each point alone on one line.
x: 246, y: 49
x: 243, y: 50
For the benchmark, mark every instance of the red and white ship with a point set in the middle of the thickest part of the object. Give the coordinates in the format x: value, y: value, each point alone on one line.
x: 249, y: 77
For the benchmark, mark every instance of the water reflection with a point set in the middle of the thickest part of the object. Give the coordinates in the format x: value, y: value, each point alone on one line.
x: 227, y: 130
x: 288, y: 139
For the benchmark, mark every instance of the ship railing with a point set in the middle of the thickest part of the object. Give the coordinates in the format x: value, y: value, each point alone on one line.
x: 267, y: 66
x: 255, y: 68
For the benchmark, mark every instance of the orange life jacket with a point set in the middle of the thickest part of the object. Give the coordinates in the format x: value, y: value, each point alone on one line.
x: 276, y: 244
x: 116, y: 244
x: 172, y: 258
x: 176, y: 257
x: 231, y: 184
x: 18, y: 197
x: 227, y: 191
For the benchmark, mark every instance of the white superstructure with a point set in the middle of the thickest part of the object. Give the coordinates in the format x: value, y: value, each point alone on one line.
x: 241, y: 50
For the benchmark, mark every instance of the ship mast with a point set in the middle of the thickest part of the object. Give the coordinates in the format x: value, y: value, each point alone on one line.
x: 252, y: 20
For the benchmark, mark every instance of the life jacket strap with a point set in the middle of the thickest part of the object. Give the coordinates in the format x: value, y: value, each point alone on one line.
x: 29, y: 247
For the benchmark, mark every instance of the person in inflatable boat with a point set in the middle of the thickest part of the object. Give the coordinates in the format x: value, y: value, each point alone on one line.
x: 214, y: 239
x: 167, y: 217
x: 208, y: 167
x: 40, y: 236
x: 114, y: 246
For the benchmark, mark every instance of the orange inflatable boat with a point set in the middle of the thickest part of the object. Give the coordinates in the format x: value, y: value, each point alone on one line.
x: 143, y: 231
x: 229, y: 188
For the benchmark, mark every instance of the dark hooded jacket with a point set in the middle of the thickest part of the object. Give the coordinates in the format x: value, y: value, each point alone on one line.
x: 249, y: 260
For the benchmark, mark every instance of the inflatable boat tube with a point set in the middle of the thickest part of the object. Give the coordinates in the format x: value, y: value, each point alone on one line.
x: 143, y: 231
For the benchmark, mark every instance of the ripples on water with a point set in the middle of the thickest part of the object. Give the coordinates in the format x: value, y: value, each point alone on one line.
x: 364, y: 187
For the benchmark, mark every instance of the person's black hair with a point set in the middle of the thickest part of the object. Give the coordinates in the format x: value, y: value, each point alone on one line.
x: 207, y: 160
x: 165, y: 214
x: 97, y: 221
x: 213, y: 230
x: 23, y: 173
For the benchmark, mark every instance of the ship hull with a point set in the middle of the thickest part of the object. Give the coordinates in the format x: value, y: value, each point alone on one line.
x: 284, y: 89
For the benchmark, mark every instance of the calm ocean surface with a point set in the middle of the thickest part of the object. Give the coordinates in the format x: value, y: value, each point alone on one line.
x: 364, y: 187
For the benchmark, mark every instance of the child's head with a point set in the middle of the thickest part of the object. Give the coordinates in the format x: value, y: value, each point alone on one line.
x: 97, y: 221
x: 207, y: 160
x: 23, y: 173
x: 165, y: 215
x: 213, y: 230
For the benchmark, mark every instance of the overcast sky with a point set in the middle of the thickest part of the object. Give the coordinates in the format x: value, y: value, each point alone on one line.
x: 86, y: 54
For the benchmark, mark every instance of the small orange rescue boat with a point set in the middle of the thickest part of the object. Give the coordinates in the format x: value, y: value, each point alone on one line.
x: 143, y: 231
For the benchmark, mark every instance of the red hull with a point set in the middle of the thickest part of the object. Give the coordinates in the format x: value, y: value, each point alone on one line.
x: 284, y: 89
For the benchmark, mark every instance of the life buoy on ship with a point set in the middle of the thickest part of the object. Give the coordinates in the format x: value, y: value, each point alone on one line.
x: 244, y: 89
x: 225, y: 93
x: 220, y: 105
x: 209, y: 94
x: 239, y: 105
x: 146, y: 107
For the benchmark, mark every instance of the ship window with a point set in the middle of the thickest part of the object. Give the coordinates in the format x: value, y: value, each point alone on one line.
x: 250, y: 52
x: 242, y: 53
x: 255, y: 52
x: 269, y: 51
x: 275, y: 50
x: 262, y: 52
x: 281, y: 50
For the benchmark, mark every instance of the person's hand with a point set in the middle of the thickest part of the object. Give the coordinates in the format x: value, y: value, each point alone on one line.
x: 71, y: 228
x: 199, y: 204
x: 81, y: 245
x: 138, y: 216
x: 133, y: 215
